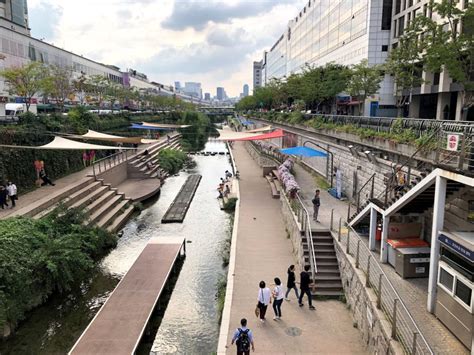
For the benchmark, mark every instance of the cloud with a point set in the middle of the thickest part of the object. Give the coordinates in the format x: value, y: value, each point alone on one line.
x: 197, y: 14
x: 136, y: 34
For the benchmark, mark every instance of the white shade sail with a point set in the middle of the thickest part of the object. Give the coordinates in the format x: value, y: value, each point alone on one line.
x: 93, y: 135
x: 61, y: 143
x: 165, y: 125
x: 262, y: 129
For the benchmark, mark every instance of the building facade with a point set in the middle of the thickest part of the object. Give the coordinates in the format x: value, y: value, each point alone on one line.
x: 257, y: 74
x: 193, y: 89
x: 245, y: 91
x: 438, y: 97
x: 220, y: 94
x: 344, y: 32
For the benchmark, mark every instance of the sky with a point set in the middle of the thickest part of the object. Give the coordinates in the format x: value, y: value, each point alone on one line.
x: 212, y: 42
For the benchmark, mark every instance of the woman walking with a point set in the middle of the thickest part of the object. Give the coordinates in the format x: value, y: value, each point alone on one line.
x: 264, y: 299
x: 278, y: 299
x: 291, y: 283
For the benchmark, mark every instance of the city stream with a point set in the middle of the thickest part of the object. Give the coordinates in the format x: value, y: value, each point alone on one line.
x: 190, y: 322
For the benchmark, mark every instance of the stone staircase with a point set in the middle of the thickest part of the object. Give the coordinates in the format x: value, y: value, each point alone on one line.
x: 103, y: 205
x: 138, y: 165
x: 328, y: 278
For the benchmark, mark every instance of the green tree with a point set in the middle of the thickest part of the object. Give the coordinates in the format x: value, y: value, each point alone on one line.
x: 80, y: 87
x: 25, y: 81
x: 98, y: 86
x: 58, y: 84
x: 364, y: 82
x: 405, y: 62
x: 451, y: 47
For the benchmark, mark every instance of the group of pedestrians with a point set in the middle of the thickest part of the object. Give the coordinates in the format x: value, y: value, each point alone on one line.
x: 224, y: 186
x: 243, y: 336
x: 265, y: 296
x: 8, y: 193
x: 88, y: 158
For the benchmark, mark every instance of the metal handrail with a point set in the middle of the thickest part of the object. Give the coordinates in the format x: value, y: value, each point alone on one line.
x: 404, y: 328
x: 306, y: 225
x: 371, y: 179
x: 122, y: 157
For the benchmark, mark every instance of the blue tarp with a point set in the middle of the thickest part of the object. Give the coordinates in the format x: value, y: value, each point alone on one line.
x: 303, y: 151
x: 140, y: 126
x: 246, y: 123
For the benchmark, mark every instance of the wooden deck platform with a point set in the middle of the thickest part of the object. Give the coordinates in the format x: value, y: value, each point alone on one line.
x: 119, y: 325
x: 177, y: 210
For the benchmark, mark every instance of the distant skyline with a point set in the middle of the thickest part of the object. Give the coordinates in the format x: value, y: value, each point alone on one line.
x: 212, y: 42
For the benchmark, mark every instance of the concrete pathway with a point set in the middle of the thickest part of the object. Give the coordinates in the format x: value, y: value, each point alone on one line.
x: 412, y: 291
x: 263, y: 252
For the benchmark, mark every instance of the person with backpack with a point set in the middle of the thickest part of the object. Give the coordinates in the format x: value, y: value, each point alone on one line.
x: 243, y: 338
x: 316, y: 203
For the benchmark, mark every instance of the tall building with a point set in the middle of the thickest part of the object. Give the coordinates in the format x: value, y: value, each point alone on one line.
x: 245, y: 91
x: 177, y: 86
x: 193, y: 89
x: 207, y: 96
x: 14, y: 15
x: 340, y: 31
x: 220, y: 94
x: 257, y: 74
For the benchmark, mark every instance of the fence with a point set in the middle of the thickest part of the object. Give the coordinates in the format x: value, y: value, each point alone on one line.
x: 102, y: 165
x: 403, y: 326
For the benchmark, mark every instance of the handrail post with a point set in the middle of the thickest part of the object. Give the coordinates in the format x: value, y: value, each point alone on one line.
x: 463, y: 151
x: 340, y: 227
x: 394, y: 319
x: 348, y: 211
x: 408, y: 181
x: 372, y: 187
x: 413, y: 349
x: 367, y: 280
x: 379, y: 295
x: 332, y: 219
x: 358, y: 202
x: 348, y: 241
x: 357, y: 254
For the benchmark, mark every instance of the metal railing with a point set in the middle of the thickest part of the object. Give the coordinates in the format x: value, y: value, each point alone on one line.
x: 304, y: 219
x: 269, y: 151
x: 102, y: 165
x: 403, y: 327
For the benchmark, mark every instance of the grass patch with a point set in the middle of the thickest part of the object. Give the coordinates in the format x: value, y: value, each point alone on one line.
x: 321, y: 183
x: 220, y: 295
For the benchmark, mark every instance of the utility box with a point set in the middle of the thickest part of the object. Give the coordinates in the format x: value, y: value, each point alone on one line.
x: 412, y: 262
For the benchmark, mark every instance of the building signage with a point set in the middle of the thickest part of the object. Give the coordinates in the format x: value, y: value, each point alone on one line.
x: 458, y: 248
x: 453, y: 142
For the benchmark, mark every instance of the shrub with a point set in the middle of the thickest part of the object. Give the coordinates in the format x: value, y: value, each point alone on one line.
x: 172, y: 160
x: 40, y: 257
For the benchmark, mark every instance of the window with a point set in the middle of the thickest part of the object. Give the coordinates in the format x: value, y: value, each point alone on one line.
x: 401, y: 25
x: 398, y: 6
x: 386, y: 14
x: 463, y: 292
x: 446, y: 279
x: 436, y: 78
x: 384, y: 48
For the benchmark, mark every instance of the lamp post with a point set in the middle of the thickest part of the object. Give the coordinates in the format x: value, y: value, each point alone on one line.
x: 328, y: 169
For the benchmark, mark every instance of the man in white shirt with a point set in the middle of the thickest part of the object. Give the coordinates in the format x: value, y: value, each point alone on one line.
x: 12, y: 191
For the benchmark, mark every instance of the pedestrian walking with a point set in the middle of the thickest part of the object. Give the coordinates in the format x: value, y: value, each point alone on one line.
x: 45, y: 178
x: 305, y: 283
x: 85, y: 158
x: 277, y: 299
x: 3, y: 197
x: 12, y: 193
x: 243, y: 338
x: 264, y: 299
x: 316, y: 203
x: 291, y: 283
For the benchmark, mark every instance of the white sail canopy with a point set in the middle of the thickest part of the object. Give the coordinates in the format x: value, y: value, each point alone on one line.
x: 61, y: 143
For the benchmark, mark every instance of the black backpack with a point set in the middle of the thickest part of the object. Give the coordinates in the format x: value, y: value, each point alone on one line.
x: 243, y: 341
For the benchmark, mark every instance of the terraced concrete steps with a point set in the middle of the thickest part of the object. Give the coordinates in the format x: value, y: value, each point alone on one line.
x: 105, y: 208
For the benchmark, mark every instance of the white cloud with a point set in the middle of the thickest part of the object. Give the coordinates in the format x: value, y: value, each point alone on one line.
x: 217, y: 48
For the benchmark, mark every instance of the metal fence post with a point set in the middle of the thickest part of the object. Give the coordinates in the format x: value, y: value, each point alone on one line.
x: 379, y: 295
x: 357, y: 254
x: 339, y: 233
x: 372, y: 187
x: 348, y: 211
x: 413, y: 349
x: 463, y: 150
x: 348, y: 241
x: 394, y: 319
x: 367, y: 280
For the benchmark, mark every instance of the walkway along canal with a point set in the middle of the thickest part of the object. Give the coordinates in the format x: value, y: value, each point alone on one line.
x: 190, y: 321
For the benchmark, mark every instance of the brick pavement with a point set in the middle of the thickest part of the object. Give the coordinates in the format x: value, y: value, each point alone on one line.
x: 412, y: 291
x: 263, y: 252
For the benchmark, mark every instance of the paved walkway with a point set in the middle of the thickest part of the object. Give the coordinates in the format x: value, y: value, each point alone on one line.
x: 414, y: 292
x: 263, y: 252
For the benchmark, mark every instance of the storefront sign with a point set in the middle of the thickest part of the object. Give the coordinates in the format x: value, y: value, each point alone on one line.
x: 453, y: 142
x: 458, y: 248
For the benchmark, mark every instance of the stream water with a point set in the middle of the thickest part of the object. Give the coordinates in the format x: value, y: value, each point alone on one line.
x: 190, y: 321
